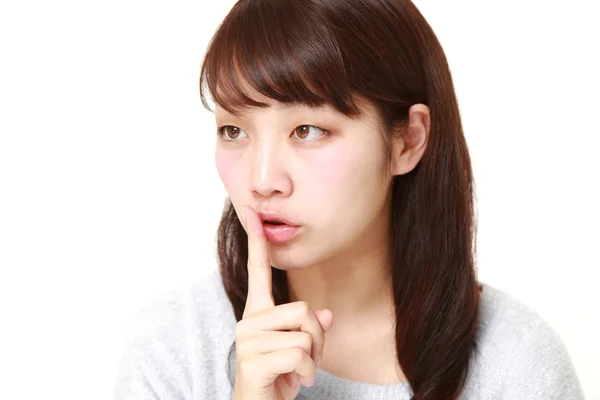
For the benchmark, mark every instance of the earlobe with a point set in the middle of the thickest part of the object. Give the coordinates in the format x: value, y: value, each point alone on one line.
x: 409, y: 145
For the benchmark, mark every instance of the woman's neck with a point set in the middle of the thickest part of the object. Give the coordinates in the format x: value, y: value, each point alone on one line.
x: 354, y: 286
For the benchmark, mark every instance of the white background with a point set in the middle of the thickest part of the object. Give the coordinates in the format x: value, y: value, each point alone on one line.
x: 109, y: 194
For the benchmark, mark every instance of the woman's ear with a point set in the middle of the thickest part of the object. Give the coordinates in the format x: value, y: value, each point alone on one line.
x: 409, y: 144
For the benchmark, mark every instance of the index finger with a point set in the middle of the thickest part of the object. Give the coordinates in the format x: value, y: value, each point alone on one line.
x: 260, y: 282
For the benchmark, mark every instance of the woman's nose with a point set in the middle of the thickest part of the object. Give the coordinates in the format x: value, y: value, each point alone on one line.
x: 268, y: 172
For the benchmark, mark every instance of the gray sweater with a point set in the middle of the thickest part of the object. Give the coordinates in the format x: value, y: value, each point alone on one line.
x: 178, y: 348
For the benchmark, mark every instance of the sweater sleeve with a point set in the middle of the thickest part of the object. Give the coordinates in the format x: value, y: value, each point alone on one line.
x: 133, y: 380
x: 541, y: 367
x: 152, y: 365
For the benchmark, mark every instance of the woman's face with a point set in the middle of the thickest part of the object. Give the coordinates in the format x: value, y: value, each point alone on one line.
x: 317, y: 168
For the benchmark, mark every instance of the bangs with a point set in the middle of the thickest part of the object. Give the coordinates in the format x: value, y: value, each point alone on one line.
x: 284, y: 50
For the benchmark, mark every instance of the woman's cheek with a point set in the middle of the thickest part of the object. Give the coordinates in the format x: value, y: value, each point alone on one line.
x: 330, y: 167
x: 225, y: 163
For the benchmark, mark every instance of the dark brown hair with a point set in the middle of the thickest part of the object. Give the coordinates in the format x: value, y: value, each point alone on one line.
x: 333, y: 52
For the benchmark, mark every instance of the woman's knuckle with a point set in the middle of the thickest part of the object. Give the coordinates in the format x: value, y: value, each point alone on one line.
x: 303, y: 308
x: 306, y: 339
x: 297, y: 354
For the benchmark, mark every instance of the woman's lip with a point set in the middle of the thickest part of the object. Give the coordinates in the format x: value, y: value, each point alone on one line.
x: 273, y: 216
x: 279, y: 233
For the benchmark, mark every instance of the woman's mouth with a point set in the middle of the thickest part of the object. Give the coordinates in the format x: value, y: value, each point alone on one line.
x: 278, y: 232
x: 278, y: 229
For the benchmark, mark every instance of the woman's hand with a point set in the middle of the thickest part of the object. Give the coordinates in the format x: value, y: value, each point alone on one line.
x: 277, y: 347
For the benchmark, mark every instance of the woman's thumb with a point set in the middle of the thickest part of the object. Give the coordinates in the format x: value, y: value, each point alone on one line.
x: 325, y: 318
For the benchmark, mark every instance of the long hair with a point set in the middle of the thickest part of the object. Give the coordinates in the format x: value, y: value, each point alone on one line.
x: 317, y: 52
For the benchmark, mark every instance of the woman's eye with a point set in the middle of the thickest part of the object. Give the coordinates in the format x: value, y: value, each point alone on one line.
x: 228, y: 132
x: 305, y: 131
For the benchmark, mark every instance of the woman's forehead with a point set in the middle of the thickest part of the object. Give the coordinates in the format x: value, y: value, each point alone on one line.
x: 283, y: 107
x: 365, y: 105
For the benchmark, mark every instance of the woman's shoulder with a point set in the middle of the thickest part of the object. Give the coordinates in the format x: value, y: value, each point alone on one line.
x: 505, y: 320
x: 519, y: 353
x: 500, y: 311
x: 178, y: 341
x: 185, y: 308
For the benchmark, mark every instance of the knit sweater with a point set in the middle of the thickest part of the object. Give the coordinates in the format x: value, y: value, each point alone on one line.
x: 178, y: 348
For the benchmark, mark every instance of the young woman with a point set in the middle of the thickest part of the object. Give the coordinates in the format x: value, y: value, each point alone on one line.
x: 347, y: 245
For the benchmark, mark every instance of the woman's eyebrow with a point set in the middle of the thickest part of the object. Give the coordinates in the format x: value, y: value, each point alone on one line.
x: 287, y: 107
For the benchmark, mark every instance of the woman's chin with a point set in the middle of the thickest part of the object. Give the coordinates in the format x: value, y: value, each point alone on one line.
x: 286, y: 266
x: 299, y: 254
x: 287, y: 259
